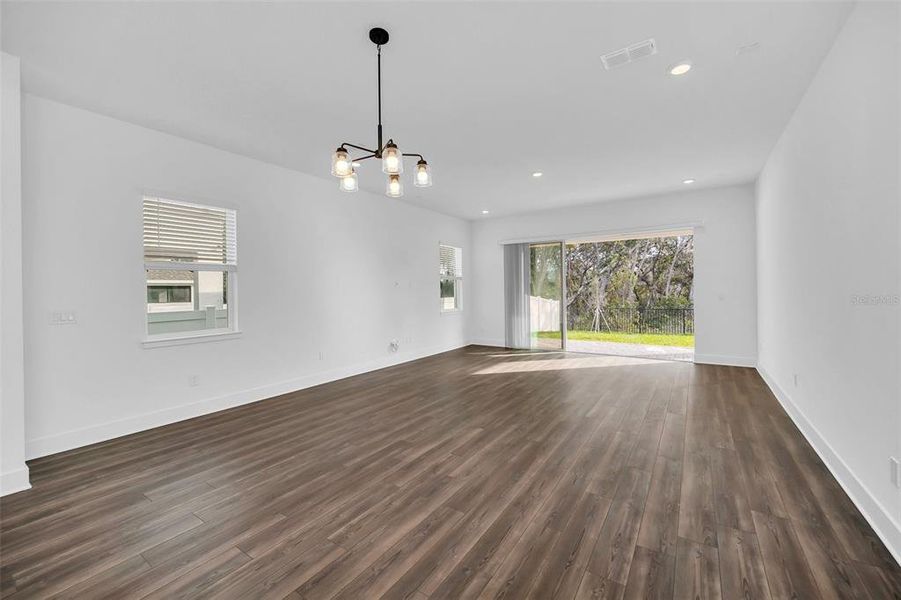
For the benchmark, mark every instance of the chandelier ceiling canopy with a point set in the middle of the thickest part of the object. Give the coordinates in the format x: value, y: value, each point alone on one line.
x: 344, y: 167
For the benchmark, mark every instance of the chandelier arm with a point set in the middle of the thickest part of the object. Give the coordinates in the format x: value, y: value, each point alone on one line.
x: 359, y: 147
x: 414, y: 154
x: 364, y: 157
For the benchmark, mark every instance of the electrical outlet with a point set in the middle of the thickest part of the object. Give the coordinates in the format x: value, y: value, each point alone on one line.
x: 193, y: 380
x: 321, y: 355
x: 796, y: 378
x: 896, y: 471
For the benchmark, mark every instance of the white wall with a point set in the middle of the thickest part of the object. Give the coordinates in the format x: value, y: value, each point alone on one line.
x: 13, y: 472
x: 320, y: 271
x: 828, y: 227
x: 725, y: 289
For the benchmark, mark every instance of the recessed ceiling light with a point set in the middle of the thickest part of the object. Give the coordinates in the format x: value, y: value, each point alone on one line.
x: 680, y: 68
x: 688, y: 181
x: 484, y: 212
x: 537, y: 174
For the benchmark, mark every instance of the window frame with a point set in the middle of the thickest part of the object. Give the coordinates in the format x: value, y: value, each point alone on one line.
x: 457, y: 279
x: 231, y: 272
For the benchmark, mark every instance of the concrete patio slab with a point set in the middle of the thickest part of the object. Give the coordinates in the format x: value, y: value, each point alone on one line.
x: 636, y: 350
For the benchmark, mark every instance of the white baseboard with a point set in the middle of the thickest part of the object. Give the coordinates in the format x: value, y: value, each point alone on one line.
x: 878, y: 516
x: 725, y: 360
x: 106, y: 431
x: 14, y: 481
x: 488, y: 342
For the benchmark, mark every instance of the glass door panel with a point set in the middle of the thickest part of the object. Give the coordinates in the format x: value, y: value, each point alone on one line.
x: 546, y: 296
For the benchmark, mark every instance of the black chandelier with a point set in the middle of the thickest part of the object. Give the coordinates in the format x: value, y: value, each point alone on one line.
x: 344, y: 167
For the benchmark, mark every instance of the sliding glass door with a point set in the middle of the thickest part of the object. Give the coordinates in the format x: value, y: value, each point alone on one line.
x: 546, y: 296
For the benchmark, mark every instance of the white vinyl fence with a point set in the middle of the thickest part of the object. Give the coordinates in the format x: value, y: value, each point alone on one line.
x: 544, y: 314
x: 188, y: 320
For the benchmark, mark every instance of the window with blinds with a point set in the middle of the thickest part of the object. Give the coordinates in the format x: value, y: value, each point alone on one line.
x: 191, y: 262
x: 182, y: 232
x: 450, y: 272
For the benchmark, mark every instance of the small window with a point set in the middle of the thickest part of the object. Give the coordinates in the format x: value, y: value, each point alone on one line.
x: 450, y: 283
x: 191, y: 264
x: 168, y: 294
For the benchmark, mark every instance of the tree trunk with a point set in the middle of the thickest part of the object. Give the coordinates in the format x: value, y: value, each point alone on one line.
x: 672, y: 268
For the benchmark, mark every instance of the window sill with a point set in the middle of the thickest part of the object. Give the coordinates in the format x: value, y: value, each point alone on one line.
x: 452, y: 312
x: 197, y: 338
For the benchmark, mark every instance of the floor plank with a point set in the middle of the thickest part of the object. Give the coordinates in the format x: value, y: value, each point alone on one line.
x: 697, y: 571
x: 787, y: 571
x: 651, y: 576
x: 697, y: 513
x: 660, y: 522
x: 742, y: 573
x: 835, y: 574
x: 612, y: 556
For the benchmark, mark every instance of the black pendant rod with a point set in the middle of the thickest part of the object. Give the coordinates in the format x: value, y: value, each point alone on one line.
x: 378, y: 154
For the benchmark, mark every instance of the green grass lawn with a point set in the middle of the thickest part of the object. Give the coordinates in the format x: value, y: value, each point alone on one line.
x: 651, y: 339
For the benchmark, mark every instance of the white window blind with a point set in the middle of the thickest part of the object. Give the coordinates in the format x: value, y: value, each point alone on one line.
x: 450, y: 261
x: 189, y: 233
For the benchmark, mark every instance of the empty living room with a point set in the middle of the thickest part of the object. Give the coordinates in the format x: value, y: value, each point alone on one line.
x: 450, y: 299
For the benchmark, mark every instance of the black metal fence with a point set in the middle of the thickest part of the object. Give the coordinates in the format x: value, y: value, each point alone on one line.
x: 638, y: 320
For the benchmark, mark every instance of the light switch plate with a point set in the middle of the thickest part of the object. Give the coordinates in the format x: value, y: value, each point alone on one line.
x: 896, y: 471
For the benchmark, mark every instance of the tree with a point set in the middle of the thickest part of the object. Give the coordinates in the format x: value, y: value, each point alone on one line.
x: 640, y: 273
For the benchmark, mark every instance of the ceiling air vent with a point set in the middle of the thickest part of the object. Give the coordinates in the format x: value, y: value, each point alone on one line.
x: 623, y: 56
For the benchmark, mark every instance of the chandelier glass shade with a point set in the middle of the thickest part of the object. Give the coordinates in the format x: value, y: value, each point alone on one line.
x: 341, y: 163
x: 392, y: 160
x: 423, y: 177
x: 390, y: 155
x: 349, y: 183
x: 395, y: 187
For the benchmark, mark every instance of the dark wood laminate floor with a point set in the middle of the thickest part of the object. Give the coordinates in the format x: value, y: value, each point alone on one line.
x: 475, y: 473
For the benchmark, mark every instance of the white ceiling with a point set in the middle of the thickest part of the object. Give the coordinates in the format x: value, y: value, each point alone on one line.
x: 488, y: 92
